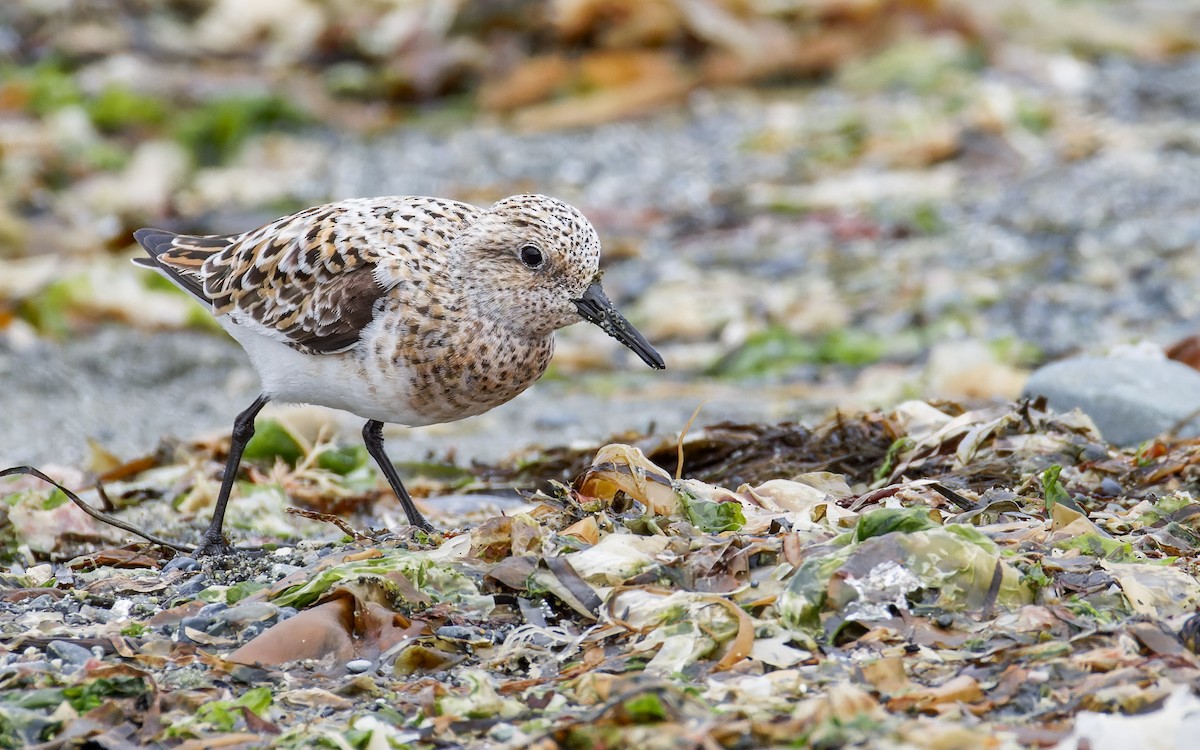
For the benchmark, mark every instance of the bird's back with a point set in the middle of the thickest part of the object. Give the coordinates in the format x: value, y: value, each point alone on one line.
x: 312, y: 280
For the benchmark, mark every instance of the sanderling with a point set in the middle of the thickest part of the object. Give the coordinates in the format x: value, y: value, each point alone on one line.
x: 408, y: 310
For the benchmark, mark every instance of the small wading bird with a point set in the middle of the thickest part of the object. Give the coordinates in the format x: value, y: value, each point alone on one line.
x: 408, y: 310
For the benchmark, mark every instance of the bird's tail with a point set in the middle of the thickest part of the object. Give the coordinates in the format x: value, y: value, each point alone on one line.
x: 180, y: 257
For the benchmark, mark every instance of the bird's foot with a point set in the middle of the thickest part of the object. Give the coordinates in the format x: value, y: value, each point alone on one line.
x: 412, y: 535
x: 213, y: 545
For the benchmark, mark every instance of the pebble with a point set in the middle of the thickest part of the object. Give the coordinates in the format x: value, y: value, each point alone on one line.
x: 43, y: 602
x: 1130, y: 399
x: 283, y: 570
x: 96, y: 614
x: 243, y: 614
x: 70, y: 653
x: 192, y: 587
x: 195, y: 622
x: 463, y: 633
x: 358, y: 666
x: 211, y: 609
x: 186, y: 564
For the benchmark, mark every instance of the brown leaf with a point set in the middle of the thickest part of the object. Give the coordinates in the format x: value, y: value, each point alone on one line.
x: 585, y: 530
x: 628, y: 84
x: 623, y: 468
x: 341, y: 628
x: 116, y: 558
x: 492, y: 539
x: 534, y: 80
x: 513, y: 572
x: 743, y: 642
x: 887, y: 675
x: 960, y: 689
x: 1187, y: 351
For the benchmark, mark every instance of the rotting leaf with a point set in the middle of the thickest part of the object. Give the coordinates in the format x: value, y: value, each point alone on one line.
x: 224, y: 715
x: 955, y: 565
x: 625, y: 469
x: 888, y: 520
x: 713, y: 517
x: 644, y: 708
x: 440, y: 581
x: 481, y: 699
x: 617, y: 558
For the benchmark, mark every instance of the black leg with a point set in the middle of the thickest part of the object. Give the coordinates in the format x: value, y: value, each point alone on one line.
x: 373, y: 437
x: 243, y: 429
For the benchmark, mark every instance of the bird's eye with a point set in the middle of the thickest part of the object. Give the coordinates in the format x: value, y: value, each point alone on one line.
x: 531, y: 256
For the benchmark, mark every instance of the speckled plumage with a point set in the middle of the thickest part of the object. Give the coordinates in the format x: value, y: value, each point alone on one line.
x: 400, y: 309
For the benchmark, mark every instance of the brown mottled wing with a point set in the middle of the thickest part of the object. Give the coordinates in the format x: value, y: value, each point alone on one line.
x: 314, y: 280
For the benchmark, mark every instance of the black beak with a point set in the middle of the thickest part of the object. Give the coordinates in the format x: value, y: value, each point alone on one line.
x: 595, y: 307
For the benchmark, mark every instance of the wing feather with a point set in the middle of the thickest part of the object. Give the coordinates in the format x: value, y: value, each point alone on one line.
x: 315, y: 279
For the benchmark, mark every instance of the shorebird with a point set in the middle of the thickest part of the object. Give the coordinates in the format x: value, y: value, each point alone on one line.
x: 407, y: 310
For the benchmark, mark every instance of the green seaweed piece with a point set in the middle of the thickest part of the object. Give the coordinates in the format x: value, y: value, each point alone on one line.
x: 1055, y: 492
x: 224, y: 715
x: 439, y: 581
x: 343, y: 460
x: 887, y: 520
x: 117, y: 109
x: 215, y: 131
x: 91, y: 694
x: 271, y: 441
x: 715, y: 517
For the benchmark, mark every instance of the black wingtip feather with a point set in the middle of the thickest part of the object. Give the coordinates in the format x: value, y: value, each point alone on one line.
x: 156, y: 242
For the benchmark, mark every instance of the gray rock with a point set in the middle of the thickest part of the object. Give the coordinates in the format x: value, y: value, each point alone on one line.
x: 283, y: 570
x: 70, y: 653
x: 1130, y: 399
x: 358, y: 666
x: 184, y: 563
x: 250, y: 612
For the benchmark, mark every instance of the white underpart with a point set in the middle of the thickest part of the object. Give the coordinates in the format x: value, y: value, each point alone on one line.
x: 341, y: 380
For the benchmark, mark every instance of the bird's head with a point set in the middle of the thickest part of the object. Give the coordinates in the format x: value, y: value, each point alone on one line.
x: 532, y: 263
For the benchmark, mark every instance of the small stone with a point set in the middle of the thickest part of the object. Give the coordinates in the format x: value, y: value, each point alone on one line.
x: 212, y: 608
x: 250, y: 612
x: 283, y: 570
x: 181, y: 563
x: 39, y: 575
x: 69, y: 652
x: 201, y: 624
x: 358, y: 666
x: 462, y: 633
x: 43, y: 602
x: 1130, y: 399
x: 96, y: 614
x: 192, y: 587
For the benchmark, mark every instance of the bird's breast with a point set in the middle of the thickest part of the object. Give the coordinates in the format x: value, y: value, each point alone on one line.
x: 452, y: 371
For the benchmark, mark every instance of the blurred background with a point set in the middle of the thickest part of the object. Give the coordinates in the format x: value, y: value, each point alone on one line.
x: 806, y: 204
